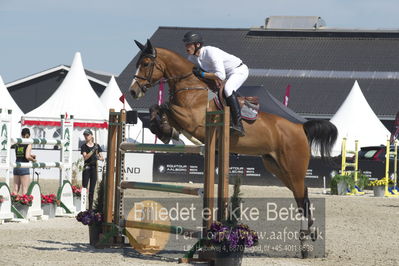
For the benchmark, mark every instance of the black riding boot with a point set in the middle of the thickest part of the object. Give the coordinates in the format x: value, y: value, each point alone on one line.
x: 235, y: 111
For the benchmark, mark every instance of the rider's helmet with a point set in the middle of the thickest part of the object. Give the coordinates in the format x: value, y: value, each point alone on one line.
x: 193, y: 37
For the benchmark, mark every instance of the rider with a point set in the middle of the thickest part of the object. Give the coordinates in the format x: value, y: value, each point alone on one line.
x: 214, y: 63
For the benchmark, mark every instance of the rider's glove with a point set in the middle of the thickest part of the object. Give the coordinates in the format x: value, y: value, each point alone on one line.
x: 197, y: 71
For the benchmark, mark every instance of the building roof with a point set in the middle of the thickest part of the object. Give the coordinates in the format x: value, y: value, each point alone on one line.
x: 32, y: 91
x: 321, y: 65
x: 94, y: 76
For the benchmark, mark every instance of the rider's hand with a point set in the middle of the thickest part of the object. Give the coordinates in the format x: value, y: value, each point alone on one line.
x: 219, y: 83
x: 197, y: 71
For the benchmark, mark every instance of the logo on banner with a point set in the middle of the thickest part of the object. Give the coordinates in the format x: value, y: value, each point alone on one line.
x: 162, y: 169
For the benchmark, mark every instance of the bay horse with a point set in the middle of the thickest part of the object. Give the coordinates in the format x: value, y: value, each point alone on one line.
x: 283, y: 145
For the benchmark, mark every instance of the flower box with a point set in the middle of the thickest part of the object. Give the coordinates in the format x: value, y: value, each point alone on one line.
x: 22, y: 209
x: 342, y: 188
x: 229, y: 256
x: 379, y: 191
x: 94, y: 234
x: 77, y: 202
x: 49, y: 210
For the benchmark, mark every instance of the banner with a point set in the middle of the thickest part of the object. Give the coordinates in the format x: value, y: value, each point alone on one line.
x: 139, y: 167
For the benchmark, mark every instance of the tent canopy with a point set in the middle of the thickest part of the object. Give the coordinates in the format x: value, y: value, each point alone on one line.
x: 74, y: 97
x: 110, y: 97
x: 7, y: 102
x: 355, y: 120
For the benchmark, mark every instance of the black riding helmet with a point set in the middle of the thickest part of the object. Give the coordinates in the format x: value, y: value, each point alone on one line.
x: 192, y: 37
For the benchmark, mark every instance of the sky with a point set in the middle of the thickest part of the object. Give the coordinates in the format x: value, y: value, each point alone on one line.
x: 36, y: 35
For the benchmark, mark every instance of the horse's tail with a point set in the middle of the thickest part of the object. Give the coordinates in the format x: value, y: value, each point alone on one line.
x: 321, y: 135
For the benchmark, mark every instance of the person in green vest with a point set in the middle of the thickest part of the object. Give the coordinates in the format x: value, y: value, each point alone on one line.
x: 23, y: 154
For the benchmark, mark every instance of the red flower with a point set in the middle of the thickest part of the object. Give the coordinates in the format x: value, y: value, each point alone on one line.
x: 48, y: 199
x: 77, y: 190
x: 22, y: 199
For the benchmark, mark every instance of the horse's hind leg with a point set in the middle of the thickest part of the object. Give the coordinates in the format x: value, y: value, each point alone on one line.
x: 290, y: 168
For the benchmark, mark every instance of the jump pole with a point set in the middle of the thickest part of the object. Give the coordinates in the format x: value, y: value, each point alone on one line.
x: 162, y: 187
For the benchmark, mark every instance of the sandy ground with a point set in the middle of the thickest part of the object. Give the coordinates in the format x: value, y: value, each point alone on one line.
x: 360, y: 230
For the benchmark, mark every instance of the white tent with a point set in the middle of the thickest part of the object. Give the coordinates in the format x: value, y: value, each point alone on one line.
x: 7, y: 102
x: 355, y: 120
x: 74, y: 96
x: 110, y: 99
x: 110, y: 96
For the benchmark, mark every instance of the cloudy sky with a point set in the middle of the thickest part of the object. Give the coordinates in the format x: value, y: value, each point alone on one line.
x: 36, y: 35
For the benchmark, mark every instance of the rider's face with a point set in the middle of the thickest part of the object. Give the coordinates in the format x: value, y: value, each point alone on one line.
x: 190, y: 48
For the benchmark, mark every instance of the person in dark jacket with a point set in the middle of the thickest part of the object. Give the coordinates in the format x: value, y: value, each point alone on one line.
x: 91, y: 153
x: 23, y: 155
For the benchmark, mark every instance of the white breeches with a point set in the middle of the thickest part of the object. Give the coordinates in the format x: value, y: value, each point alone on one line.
x: 235, y: 79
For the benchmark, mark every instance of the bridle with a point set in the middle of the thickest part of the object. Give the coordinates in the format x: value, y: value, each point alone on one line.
x: 148, y: 77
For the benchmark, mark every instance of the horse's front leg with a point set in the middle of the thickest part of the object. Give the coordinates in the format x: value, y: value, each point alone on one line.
x: 160, y: 125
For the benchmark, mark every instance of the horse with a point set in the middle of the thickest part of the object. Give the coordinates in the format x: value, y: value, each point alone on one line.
x: 284, y: 146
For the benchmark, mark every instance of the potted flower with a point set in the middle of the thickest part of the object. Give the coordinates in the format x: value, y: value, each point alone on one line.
x: 341, y: 184
x: 94, y: 218
x: 362, y: 181
x: 228, y: 239
x: 49, y: 203
x: 77, y: 194
x: 379, y: 186
x: 22, y: 203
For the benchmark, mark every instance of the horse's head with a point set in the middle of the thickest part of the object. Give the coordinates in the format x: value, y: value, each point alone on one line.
x: 148, y: 72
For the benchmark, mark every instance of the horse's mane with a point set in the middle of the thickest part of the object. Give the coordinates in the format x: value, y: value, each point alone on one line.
x: 179, y: 56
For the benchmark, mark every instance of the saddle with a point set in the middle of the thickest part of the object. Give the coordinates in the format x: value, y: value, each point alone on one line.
x: 249, y: 104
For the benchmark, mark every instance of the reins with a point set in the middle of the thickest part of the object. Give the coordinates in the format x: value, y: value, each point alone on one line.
x: 150, y: 84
